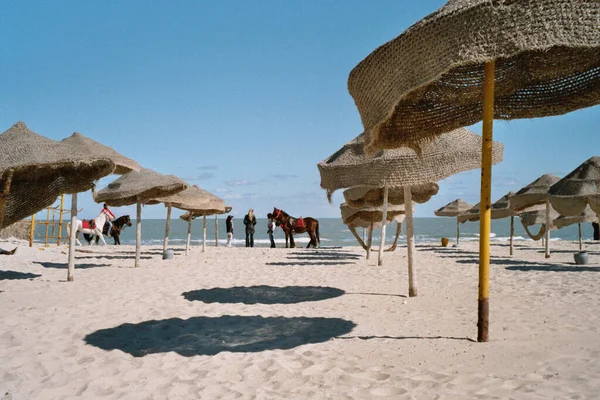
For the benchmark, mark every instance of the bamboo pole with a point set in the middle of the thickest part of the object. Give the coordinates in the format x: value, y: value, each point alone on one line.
x: 4, y: 195
x: 457, y: 230
x: 370, y: 241
x: 138, y: 232
x: 203, y: 233
x: 32, y: 231
x: 580, y: 244
x: 483, y: 311
x: 398, y: 230
x: 167, y: 228
x: 410, y: 242
x: 60, y: 218
x: 548, y: 223
x: 512, y: 232
x: 383, y: 224
x: 72, y: 235
x: 216, y: 230
x: 47, y: 226
x: 360, y: 241
x: 189, y: 235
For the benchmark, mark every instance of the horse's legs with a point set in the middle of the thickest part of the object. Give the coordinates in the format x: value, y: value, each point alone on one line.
x: 313, y: 239
x: 77, y: 238
x: 292, y: 244
x: 101, y: 236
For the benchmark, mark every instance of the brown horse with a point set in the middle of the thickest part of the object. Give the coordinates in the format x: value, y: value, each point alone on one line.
x: 291, y: 225
x: 117, y: 226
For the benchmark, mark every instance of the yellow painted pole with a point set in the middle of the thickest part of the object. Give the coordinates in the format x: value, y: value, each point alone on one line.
x: 47, y: 226
x: 32, y: 231
x: 485, y: 205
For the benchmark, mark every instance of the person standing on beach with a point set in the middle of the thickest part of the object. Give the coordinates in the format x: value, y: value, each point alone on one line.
x: 229, y: 226
x: 250, y: 221
x: 270, y: 229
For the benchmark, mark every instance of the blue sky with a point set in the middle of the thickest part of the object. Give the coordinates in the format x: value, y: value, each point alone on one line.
x: 242, y: 98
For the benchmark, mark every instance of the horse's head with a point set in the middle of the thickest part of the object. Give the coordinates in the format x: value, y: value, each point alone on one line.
x: 127, y: 220
x: 276, y: 213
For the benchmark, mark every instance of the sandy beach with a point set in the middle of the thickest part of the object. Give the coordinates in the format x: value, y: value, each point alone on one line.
x: 259, y: 323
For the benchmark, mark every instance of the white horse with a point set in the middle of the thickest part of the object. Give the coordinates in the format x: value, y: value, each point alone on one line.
x: 99, y: 221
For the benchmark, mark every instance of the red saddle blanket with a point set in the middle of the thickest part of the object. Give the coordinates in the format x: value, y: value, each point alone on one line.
x: 88, y: 224
x: 299, y: 223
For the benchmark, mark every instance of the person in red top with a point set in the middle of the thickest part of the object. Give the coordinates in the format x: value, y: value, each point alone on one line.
x: 109, y: 217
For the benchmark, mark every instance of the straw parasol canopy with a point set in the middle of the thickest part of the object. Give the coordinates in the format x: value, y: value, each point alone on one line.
x: 546, y: 56
x: 529, y: 218
x: 534, y: 193
x: 446, y: 155
x: 580, y: 188
x: 145, y: 185
x: 368, y: 215
x: 588, y: 215
x: 500, y: 209
x: 43, y: 169
x: 453, y: 209
x: 192, y: 198
x: 89, y: 146
x: 362, y: 196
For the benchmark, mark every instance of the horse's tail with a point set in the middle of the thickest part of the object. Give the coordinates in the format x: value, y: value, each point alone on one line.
x: 317, y: 234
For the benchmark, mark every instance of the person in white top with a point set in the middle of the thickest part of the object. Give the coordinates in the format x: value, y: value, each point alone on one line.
x: 271, y: 228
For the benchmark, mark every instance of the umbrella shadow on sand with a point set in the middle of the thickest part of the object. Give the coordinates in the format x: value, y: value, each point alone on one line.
x: 10, y: 275
x: 263, y: 294
x: 209, y: 336
x: 65, y: 265
x: 525, y: 266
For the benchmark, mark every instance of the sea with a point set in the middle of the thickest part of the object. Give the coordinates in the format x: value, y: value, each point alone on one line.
x: 333, y: 232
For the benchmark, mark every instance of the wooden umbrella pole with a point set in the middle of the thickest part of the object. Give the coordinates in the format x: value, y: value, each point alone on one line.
x: 167, y: 228
x: 60, y: 218
x: 32, y: 231
x: 360, y: 241
x: 216, y: 230
x: 4, y: 195
x: 457, y: 230
x: 580, y: 244
x: 138, y: 232
x: 189, y: 235
x: 548, y: 223
x: 370, y: 240
x: 483, y: 309
x: 398, y: 229
x: 204, y: 233
x: 512, y: 233
x: 72, y: 236
x: 383, y: 224
x: 410, y: 242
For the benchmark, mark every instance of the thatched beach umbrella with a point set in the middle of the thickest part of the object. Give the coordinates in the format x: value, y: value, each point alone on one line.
x: 35, y: 170
x: 135, y: 188
x: 545, y: 55
x: 363, y: 196
x: 85, y: 147
x: 371, y: 217
x: 579, y: 189
x: 536, y: 193
x: 404, y: 168
x: 588, y: 215
x: 216, y: 206
x: 454, y: 209
x: 545, y: 218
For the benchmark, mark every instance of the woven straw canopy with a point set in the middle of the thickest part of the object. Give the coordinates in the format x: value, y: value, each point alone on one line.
x: 359, y: 197
x: 570, y: 195
x: 446, y: 155
x: 89, y: 146
x: 145, y: 184
x: 500, y: 209
x: 588, y: 215
x: 429, y: 79
x: 192, y: 198
x: 534, y: 193
x: 207, y: 212
x: 43, y: 170
x: 364, y: 216
x: 453, y: 209
x: 529, y: 218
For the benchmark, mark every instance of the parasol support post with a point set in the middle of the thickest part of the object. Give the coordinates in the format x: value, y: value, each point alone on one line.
x: 216, y: 230
x: 72, y: 236
x: 370, y: 240
x: 410, y: 242
x: 580, y: 244
x: 512, y: 233
x: 32, y: 231
x: 383, y: 225
x: 203, y: 233
x: 483, y: 310
x: 548, y: 223
x: 167, y: 228
x: 457, y: 230
x: 189, y: 235
x: 138, y: 232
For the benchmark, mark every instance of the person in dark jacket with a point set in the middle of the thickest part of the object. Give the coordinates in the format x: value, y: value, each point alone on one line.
x: 229, y: 226
x: 250, y: 221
